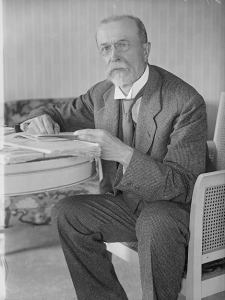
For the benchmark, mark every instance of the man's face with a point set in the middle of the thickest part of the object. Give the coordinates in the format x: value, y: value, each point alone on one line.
x: 123, y: 53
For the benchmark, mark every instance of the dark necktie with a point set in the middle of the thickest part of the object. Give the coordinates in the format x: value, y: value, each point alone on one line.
x: 127, y: 121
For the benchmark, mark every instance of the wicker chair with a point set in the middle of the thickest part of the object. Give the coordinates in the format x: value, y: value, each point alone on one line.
x: 205, y: 275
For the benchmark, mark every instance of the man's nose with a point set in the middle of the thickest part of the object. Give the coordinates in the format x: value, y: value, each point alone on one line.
x: 114, y: 53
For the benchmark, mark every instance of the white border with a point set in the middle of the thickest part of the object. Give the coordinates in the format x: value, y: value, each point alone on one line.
x: 2, y: 215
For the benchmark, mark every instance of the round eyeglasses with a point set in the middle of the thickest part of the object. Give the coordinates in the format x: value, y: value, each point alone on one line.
x: 121, y: 46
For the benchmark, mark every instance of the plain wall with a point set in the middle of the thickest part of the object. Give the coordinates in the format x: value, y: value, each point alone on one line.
x: 50, y: 49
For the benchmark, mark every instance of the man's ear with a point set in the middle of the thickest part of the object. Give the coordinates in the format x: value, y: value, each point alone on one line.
x: 147, y: 48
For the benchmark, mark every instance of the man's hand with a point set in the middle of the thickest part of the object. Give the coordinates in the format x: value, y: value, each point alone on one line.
x: 41, y: 124
x: 111, y: 147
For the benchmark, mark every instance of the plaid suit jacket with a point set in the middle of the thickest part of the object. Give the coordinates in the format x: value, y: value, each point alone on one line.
x: 170, y: 141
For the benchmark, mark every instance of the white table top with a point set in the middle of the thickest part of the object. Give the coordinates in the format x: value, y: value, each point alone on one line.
x: 34, y: 177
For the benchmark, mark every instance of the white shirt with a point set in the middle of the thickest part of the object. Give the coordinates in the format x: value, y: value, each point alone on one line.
x: 136, y: 87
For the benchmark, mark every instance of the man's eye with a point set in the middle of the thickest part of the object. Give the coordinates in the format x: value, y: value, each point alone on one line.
x: 122, y: 45
x: 105, y: 48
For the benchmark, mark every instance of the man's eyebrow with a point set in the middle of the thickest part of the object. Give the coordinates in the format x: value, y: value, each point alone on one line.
x: 103, y: 44
x: 121, y: 40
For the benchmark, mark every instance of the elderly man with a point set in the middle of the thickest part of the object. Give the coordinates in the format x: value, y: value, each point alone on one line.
x: 151, y: 127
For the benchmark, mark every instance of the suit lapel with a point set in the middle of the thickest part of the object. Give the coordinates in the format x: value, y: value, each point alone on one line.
x: 108, y: 116
x: 150, y: 106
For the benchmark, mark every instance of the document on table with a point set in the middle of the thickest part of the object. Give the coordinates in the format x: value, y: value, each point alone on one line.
x: 14, y: 155
x: 47, y: 136
x: 53, y: 146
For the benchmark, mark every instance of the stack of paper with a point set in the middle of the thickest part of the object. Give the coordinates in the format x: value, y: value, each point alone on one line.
x: 53, y: 145
x: 14, y: 155
x: 8, y: 130
x: 46, y: 136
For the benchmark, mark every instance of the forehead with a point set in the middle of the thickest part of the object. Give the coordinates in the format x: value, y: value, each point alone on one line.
x: 116, y: 30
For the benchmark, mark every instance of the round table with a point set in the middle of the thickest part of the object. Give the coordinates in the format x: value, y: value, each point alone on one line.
x: 45, y: 175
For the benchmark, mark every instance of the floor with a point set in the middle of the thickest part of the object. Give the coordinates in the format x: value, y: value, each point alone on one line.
x: 37, y: 269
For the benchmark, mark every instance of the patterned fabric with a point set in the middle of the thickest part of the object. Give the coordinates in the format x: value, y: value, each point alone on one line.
x: 17, y: 111
x: 35, y: 209
x: 127, y: 122
x: 127, y: 119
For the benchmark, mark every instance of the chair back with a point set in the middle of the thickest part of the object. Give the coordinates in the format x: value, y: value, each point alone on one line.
x: 206, y: 251
x: 214, y: 217
x: 207, y: 224
x: 219, y: 134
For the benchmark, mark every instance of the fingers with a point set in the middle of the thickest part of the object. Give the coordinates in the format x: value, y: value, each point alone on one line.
x: 33, y: 128
x: 100, y: 136
x: 43, y: 125
x: 56, y: 128
x: 112, y: 148
x: 89, y: 135
x: 93, y: 132
x: 87, y: 138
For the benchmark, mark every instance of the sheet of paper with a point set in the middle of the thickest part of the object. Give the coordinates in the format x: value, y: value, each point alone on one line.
x: 14, y: 155
x: 46, y: 136
x: 55, y: 146
x: 7, y: 130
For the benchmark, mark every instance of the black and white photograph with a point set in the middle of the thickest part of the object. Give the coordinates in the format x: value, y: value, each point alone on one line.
x: 112, y: 149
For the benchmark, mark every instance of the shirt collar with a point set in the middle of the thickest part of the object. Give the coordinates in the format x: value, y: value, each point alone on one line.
x: 136, y: 87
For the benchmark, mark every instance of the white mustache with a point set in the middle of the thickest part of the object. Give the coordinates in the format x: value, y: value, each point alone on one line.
x: 115, y: 65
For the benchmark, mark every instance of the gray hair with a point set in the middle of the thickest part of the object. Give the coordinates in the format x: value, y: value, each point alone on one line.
x: 139, y: 23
